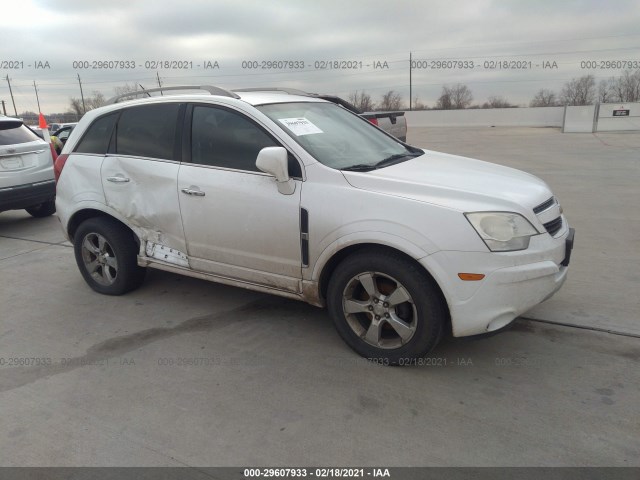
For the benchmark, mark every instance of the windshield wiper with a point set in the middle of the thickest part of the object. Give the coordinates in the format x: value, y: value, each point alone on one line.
x: 397, y: 158
x: 360, y: 167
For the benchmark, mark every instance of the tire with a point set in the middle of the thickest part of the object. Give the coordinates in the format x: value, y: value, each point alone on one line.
x: 106, y: 254
x: 42, y: 210
x: 385, y: 307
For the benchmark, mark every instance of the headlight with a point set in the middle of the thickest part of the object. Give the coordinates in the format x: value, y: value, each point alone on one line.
x: 502, y: 231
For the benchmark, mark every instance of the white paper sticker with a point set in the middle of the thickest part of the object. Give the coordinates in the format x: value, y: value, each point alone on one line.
x: 300, y: 126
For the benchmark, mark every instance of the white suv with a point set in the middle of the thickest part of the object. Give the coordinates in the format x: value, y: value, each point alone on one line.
x: 299, y: 197
x: 26, y: 170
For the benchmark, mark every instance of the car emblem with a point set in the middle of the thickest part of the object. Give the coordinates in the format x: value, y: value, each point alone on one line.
x: 11, y: 150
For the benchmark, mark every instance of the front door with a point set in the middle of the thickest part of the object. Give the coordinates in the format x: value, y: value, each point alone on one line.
x: 236, y: 223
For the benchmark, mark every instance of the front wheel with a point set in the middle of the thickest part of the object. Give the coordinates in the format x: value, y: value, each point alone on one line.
x: 385, y: 307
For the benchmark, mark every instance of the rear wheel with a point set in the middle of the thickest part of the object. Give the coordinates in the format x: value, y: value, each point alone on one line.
x: 106, y: 254
x: 42, y: 210
x: 385, y: 307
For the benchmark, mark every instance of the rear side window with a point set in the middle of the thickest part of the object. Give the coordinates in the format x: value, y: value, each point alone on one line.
x: 148, y: 131
x: 96, y: 138
x: 13, y: 133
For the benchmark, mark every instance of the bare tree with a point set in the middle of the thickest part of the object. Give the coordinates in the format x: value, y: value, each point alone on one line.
x: 95, y: 100
x: 444, y: 101
x: 579, y: 91
x: 497, y: 102
x: 126, y: 88
x: 390, y: 101
x: 75, y: 106
x: 362, y: 101
x: 544, y: 98
x: 605, y: 90
x: 625, y: 88
x: 454, y: 97
x: 417, y: 104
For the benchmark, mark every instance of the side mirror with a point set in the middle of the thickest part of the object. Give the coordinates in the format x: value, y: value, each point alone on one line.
x: 275, y: 161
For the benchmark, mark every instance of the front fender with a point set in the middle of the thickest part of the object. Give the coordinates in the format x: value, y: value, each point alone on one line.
x: 360, y: 238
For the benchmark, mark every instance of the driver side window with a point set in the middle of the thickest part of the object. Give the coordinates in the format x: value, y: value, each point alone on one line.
x: 223, y: 138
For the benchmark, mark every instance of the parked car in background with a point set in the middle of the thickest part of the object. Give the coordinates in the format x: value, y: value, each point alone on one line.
x: 53, y: 127
x: 61, y: 135
x: 26, y: 170
x: 63, y: 132
x: 36, y: 130
x: 299, y: 197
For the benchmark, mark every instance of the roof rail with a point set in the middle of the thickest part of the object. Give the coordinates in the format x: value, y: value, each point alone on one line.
x: 295, y: 91
x: 290, y: 91
x: 208, y: 88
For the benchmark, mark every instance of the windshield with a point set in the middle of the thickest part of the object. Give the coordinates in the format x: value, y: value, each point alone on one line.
x: 336, y: 137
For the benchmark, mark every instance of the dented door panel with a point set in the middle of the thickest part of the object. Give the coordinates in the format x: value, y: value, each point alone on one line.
x: 144, y: 191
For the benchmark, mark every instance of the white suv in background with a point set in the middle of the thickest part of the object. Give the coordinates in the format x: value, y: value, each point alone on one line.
x: 26, y: 170
x: 299, y: 197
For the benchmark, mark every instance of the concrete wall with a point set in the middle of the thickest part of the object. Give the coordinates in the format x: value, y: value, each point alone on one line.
x: 579, y: 119
x: 499, y: 117
x: 607, y: 122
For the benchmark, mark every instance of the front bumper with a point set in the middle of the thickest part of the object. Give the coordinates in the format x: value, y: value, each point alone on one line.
x: 514, y: 282
x: 29, y: 195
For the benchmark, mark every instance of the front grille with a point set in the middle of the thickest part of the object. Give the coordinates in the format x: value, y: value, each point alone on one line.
x: 553, y: 226
x: 544, y: 205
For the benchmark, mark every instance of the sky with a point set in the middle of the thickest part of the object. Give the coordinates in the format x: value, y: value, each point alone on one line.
x: 516, y: 47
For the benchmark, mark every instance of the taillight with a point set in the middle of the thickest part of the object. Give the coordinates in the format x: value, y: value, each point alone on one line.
x: 58, y: 165
x: 373, y: 120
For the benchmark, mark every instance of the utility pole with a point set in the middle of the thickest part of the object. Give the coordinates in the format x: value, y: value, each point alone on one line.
x: 84, y: 109
x: 410, y: 85
x: 159, y: 84
x: 4, y: 109
x: 12, y: 99
x: 37, y: 98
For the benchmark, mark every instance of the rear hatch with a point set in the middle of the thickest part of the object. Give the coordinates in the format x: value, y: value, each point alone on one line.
x: 24, y: 157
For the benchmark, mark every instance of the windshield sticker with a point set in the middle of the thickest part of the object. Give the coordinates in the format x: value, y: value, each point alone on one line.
x: 300, y: 126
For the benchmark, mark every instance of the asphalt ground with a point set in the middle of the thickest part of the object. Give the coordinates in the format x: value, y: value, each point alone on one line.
x: 183, y: 372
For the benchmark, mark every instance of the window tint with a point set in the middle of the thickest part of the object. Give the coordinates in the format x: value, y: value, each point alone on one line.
x: 148, y: 131
x: 96, y: 138
x: 226, y: 139
x: 12, y: 133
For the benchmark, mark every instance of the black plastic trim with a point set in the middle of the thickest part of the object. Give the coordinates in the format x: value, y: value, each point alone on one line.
x: 304, y: 236
x: 569, y: 247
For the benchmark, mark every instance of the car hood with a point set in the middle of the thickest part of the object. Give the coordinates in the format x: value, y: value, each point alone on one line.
x: 461, y: 183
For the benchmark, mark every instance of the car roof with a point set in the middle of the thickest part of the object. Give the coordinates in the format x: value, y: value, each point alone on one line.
x: 262, y: 98
x: 250, y: 98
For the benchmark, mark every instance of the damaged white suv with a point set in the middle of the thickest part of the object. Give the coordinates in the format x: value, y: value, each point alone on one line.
x: 299, y: 197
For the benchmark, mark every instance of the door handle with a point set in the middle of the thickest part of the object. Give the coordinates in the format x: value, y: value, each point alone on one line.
x: 118, y: 179
x: 191, y: 191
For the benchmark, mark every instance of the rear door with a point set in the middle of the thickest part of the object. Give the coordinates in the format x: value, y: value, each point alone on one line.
x: 139, y: 177
x: 236, y: 223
